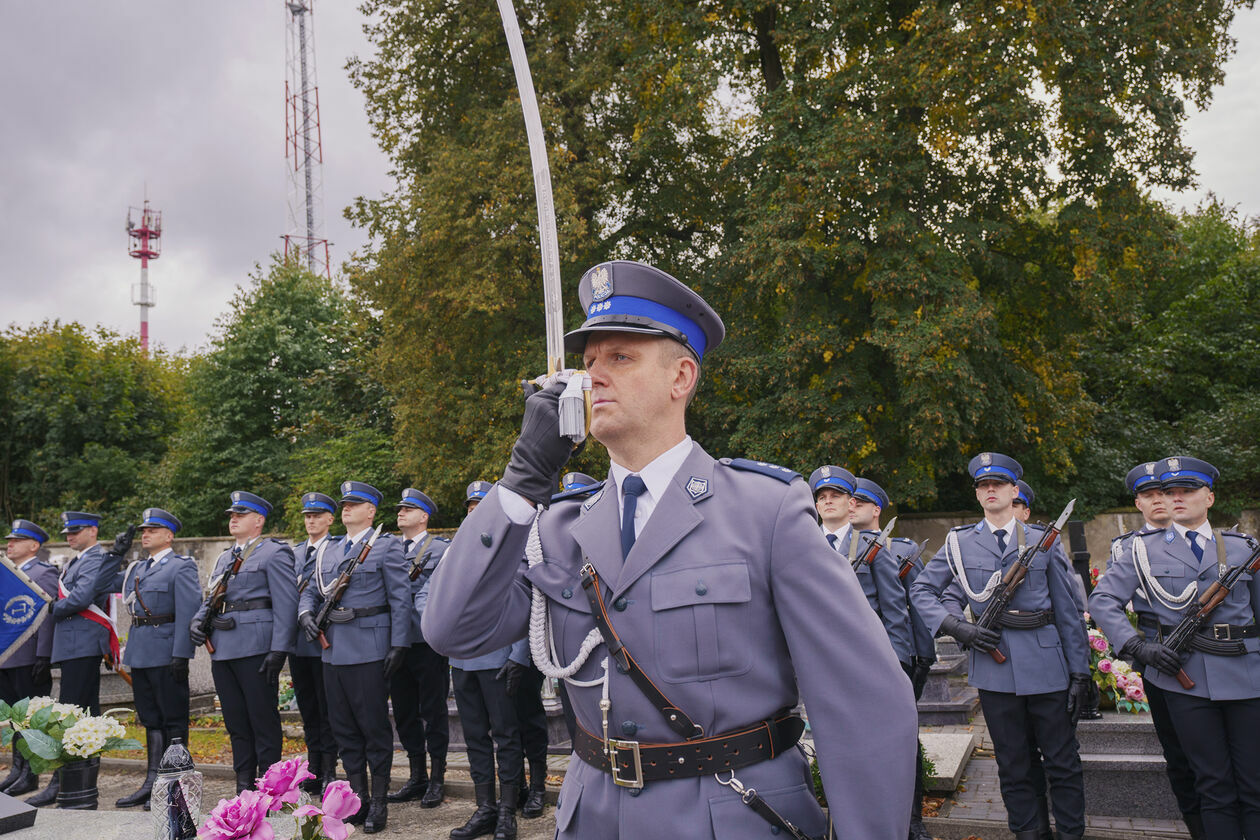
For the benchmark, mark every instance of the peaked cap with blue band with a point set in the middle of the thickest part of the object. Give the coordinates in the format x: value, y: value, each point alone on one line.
x: 158, y: 518
x: 413, y: 498
x: 245, y: 502
x: 1143, y: 477
x: 1180, y: 471
x: 995, y: 466
x: 25, y: 529
x: 355, y: 492
x: 626, y: 296
x: 477, y: 491
x: 832, y: 476
x: 869, y: 491
x: 575, y: 480
x: 74, y: 520
x: 318, y: 503
x: 1026, y: 494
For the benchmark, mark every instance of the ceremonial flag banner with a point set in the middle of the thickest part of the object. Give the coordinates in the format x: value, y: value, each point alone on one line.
x: 23, y: 607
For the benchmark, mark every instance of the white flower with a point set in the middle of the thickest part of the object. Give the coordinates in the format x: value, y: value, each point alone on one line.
x: 87, y: 737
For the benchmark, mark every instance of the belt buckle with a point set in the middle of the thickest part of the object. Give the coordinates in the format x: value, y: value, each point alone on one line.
x: 633, y: 746
x: 1216, y: 633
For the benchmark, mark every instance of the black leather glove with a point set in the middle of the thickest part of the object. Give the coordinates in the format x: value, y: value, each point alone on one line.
x: 122, y: 542
x: 922, y: 669
x: 309, y: 628
x: 511, y: 674
x: 540, y: 452
x: 1152, y: 653
x: 1078, y: 696
x: 195, y: 633
x: 272, y: 664
x: 41, y: 671
x: 394, y: 660
x: 178, y: 669
x: 981, y: 638
x: 908, y: 668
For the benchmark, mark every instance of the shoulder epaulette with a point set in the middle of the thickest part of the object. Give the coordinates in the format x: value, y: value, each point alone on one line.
x: 765, y: 468
x: 279, y: 541
x: 578, y: 492
x: 962, y: 527
x: 1146, y: 532
x: 1123, y: 536
x: 905, y: 540
x: 1236, y: 534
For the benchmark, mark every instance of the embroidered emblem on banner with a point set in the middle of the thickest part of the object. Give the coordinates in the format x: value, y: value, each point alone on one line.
x: 19, y: 609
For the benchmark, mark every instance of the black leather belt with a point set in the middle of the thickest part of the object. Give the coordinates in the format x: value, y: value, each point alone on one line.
x: 342, y: 615
x: 241, y: 606
x: 151, y: 620
x: 637, y: 763
x: 1217, y: 639
x: 1026, y: 619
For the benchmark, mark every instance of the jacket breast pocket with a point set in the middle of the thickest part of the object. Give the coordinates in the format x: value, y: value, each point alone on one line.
x: 701, y: 616
x: 980, y: 570
x: 1168, y: 569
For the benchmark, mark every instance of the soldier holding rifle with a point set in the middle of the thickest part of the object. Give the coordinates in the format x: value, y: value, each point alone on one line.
x: 358, y: 607
x: 652, y: 598
x: 248, y: 625
x: 1200, y: 644
x: 1032, y: 667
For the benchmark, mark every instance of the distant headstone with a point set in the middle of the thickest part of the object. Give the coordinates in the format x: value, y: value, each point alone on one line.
x: 15, y: 814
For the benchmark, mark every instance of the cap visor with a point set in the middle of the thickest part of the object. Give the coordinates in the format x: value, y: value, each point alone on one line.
x: 575, y: 342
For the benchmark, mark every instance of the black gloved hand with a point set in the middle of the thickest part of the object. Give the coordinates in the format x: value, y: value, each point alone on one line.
x: 178, y: 669
x: 309, y: 628
x: 41, y: 671
x: 511, y: 674
x: 1078, y: 696
x: 540, y: 452
x: 922, y: 669
x: 1152, y: 653
x: 394, y: 660
x: 122, y: 542
x: 908, y: 668
x: 981, y: 638
x: 272, y: 664
x: 196, y: 634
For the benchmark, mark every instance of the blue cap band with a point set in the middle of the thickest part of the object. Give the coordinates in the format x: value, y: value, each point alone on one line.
x: 1022, y: 498
x: 477, y: 494
x: 834, y: 481
x: 1174, y: 476
x: 989, y: 471
x: 316, y: 505
x: 165, y: 523
x: 1141, y: 483
x: 866, y: 497
x: 83, y: 523
x: 246, y: 503
x: 362, y: 497
x: 23, y: 532
x: 420, y: 503
x: 644, y: 308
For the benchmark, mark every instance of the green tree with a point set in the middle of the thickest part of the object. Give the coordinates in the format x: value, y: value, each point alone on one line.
x: 283, y: 377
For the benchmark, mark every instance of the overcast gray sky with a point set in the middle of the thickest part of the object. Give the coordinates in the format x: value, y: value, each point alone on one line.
x: 101, y: 98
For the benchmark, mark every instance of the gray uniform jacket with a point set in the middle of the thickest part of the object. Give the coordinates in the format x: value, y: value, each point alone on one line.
x: 420, y: 587
x: 921, y: 634
x: 169, y: 587
x: 1038, y: 660
x: 883, y: 592
x: 267, y: 573
x: 381, y: 581
x: 74, y: 636
x: 306, y: 579
x: 1173, y: 568
x: 44, y: 575
x: 730, y: 600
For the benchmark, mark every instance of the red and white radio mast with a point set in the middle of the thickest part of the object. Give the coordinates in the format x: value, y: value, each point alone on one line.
x: 145, y: 243
x: 302, y: 145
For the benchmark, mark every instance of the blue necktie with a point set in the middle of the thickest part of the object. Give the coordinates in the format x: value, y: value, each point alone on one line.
x: 831, y: 538
x: 1194, y: 545
x: 632, y: 488
x: 1000, y: 533
x: 346, y: 550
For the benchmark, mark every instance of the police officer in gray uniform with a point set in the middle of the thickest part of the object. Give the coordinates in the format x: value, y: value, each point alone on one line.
x: 251, y: 635
x: 677, y: 556
x: 306, y: 665
x: 27, y: 672
x: 162, y: 593
x: 1151, y: 500
x: 1218, y: 717
x: 368, y: 637
x: 419, y: 688
x: 879, y: 578
x: 1043, y: 682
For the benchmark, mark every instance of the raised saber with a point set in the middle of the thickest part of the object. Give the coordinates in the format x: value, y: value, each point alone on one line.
x: 575, y: 406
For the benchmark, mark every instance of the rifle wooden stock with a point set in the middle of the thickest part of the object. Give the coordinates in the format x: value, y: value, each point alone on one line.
x: 219, y: 595
x: 1014, y: 576
x: 908, y: 563
x: 323, y: 617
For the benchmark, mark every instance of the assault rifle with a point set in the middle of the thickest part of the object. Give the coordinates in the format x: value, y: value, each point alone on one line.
x: 907, y: 563
x: 418, y: 566
x: 1183, y: 634
x: 324, y: 617
x: 867, y: 557
x: 992, y: 615
x: 218, y: 595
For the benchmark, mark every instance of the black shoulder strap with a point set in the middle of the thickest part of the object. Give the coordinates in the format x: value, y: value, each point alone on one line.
x: 674, y: 716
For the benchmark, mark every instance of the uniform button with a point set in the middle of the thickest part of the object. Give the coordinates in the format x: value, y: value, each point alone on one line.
x: 701, y: 589
x: 635, y: 791
x: 620, y: 604
x: 485, y: 540
x: 774, y: 829
x: 629, y: 727
x: 566, y: 593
